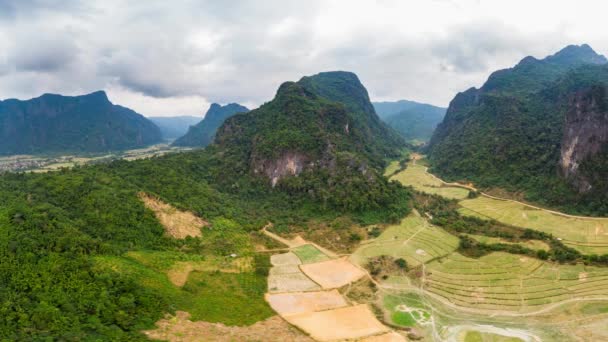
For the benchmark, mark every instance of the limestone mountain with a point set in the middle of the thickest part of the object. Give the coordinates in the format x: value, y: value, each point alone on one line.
x: 413, y: 120
x: 203, y: 133
x: 320, y: 136
x: 88, y: 123
x: 539, y: 127
x: 173, y: 127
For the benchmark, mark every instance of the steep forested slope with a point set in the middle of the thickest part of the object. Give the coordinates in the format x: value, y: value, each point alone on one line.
x: 203, y: 133
x: 322, y: 129
x: 519, y: 131
x: 88, y: 123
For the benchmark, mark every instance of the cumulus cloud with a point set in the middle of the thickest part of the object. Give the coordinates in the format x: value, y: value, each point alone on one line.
x: 171, y: 58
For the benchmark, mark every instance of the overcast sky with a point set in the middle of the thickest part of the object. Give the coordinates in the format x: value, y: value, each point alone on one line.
x: 165, y: 58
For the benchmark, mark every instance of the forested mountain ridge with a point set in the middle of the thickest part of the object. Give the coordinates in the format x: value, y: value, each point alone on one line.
x: 319, y: 136
x: 203, y: 133
x: 87, y: 123
x: 518, y: 131
x: 413, y: 120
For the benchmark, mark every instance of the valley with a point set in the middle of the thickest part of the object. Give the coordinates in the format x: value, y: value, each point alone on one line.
x: 306, y: 218
x: 42, y: 163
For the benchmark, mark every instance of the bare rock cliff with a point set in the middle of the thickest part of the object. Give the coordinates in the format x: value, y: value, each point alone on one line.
x: 585, y: 134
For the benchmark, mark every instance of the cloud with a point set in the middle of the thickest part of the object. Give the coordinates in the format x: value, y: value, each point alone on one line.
x: 43, y: 53
x: 158, y: 55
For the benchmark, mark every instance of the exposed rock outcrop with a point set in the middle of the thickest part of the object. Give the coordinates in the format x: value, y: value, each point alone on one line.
x: 585, y: 134
x: 288, y: 164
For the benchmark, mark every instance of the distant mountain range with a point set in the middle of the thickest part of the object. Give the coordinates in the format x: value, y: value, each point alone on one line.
x: 541, y: 127
x: 87, y: 123
x: 413, y: 120
x: 203, y: 133
x: 173, y: 127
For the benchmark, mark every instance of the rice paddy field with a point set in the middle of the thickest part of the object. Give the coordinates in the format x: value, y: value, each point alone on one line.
x: 589, y: 236
x: 512, y: 283
x: 415, y: 175
x: 499, y: 296
x: 414, y: 239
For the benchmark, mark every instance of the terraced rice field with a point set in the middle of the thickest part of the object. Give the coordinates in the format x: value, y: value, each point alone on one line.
x: 414, y: 240
x: 590, y: 236
x: 416, y: 176
x: 512, y: 283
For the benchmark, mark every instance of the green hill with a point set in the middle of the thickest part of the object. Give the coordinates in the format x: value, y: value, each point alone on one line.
x: 203, y: 133
x: 538, y: 127
x: 413, y: 120
x: 64, y: 124
x: 82, y: 258
x: 322, y: 129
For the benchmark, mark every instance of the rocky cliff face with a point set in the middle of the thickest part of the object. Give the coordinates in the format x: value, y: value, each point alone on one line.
x: 585, y: 134
x: 288, y: 164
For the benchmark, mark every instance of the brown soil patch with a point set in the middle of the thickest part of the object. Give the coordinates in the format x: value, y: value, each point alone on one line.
x: 291, y: 282
x: 333, y: 273
x: 177, y: 223
x: 284, y: 269
x: 180, y: 271
x: 389, y: 337
x: 295, y: 303
x: 284, y: 259
x: 352, y: 322
x: 181, y: 329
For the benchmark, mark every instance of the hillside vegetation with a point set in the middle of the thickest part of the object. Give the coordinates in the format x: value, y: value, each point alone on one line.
x: 67, y: 124
x: 81, y: 257
x: 538, y: 127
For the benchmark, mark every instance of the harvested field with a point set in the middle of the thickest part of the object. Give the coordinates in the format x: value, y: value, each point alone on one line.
x: 286, y: 276
x: 333, y: 273
x: 180, y: 328
x: 287, y: 304
x: 416, y: 176
x: 352, y: 322
x: 309, y: 254
x: 414, y: 240
x: 177, y: 223
x: 388, y: 337
x: 512, y: 283
x: 291, y: 282
x: 590, y: 236
x: 284, y: 259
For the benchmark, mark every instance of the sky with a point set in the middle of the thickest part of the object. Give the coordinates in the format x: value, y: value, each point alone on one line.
x: 166, y: 58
